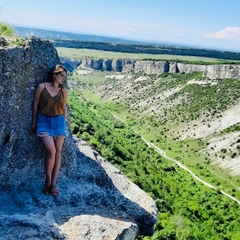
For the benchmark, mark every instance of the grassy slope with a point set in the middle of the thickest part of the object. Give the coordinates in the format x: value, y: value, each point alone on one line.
x: 184, y: 151
x: 187, y: 209
x: 160, y: 128
x: 164, y: 136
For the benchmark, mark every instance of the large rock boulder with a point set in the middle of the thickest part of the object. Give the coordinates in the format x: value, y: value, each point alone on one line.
x: 96, y: 200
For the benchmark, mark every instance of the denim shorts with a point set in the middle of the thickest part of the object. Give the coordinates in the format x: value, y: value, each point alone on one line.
x: 51, y: 126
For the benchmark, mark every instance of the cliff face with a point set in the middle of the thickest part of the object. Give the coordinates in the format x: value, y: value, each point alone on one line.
x: 96, y: 200
x: 151, y: 67
x: 22, y: 68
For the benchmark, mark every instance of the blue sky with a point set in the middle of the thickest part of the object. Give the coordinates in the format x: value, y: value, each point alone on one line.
x: 211, y: 24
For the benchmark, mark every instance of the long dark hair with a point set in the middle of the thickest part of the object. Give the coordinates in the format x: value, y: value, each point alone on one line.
x: 56, y: 70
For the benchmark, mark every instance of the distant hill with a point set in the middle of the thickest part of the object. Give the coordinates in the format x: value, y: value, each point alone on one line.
x: 72, y: 40
x: 49, y: 34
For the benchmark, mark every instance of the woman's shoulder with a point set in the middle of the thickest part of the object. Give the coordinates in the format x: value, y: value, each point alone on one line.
x: 41, y: 86
x: 64, y: 89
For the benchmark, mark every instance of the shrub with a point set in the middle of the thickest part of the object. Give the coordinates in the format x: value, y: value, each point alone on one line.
x: 6, y: 29
x: 223, y: 150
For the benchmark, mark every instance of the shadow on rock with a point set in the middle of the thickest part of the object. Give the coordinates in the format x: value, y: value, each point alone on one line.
x: 95, y: 200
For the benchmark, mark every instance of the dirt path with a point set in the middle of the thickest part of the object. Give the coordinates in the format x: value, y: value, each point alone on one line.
x: 161, y: 152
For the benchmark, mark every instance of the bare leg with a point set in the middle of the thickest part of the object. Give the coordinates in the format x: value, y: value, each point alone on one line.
x: 58, y: 141
x: 50, y: 154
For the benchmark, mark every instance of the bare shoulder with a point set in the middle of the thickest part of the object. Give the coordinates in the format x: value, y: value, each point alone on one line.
x: 64, y: 89
x: 41, y: 86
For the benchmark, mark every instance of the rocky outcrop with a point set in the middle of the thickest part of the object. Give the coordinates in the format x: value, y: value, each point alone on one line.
x: 151, y: 67
x: 71, y: 64
x: 220, y: 71
x: 190, y: 68
x: 96, y: 200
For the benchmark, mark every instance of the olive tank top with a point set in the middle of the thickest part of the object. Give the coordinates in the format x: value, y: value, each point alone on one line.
x: 51, y: 106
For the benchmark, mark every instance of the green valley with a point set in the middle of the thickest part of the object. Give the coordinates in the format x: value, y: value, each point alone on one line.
x: 179, y: 114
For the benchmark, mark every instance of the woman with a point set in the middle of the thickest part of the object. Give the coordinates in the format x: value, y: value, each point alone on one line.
x: 49, y: 123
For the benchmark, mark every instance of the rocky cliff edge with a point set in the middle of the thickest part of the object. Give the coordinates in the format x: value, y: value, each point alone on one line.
x: 96, y: 200
x: 218, y: 71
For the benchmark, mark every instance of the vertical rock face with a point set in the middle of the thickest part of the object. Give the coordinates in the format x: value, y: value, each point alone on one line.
x: 97, y: 64
x: 22, y: 68
x: 117, y: 65
x: 128, y: 65
x: 173, y: 68
x: 220, y: 71
x: 107, y: 65
x: 86, y: 63
x: 190, y: 68
x: 91, y: 189
x: 70, y: 64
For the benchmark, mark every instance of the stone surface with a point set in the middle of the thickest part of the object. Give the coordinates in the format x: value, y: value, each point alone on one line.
x: 96, y: 200
x: 219, y: 71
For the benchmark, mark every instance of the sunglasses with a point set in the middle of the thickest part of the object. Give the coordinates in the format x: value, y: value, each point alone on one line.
x: 62, y: 75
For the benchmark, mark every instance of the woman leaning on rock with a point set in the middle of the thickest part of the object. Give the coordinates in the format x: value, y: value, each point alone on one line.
x: 49, y: 123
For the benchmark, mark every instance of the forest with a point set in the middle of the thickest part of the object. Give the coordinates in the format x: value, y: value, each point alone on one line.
x: 147, y: 48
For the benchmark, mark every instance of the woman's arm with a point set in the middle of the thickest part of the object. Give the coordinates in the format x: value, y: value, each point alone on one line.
x: 65, y: 91
x: 35, y: 105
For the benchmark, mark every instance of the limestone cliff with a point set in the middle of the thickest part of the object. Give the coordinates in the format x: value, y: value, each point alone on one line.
x: 220, y: 71
x: 96, y: 200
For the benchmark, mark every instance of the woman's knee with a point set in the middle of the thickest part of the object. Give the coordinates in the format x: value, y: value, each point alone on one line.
x: 59, y: 144
x: 58, y: 152
x: 50, y: 152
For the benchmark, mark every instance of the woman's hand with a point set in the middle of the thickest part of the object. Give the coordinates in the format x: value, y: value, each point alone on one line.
x: 34, y: 127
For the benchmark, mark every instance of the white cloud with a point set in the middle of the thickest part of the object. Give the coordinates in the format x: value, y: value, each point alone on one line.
x: 228, y: 33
